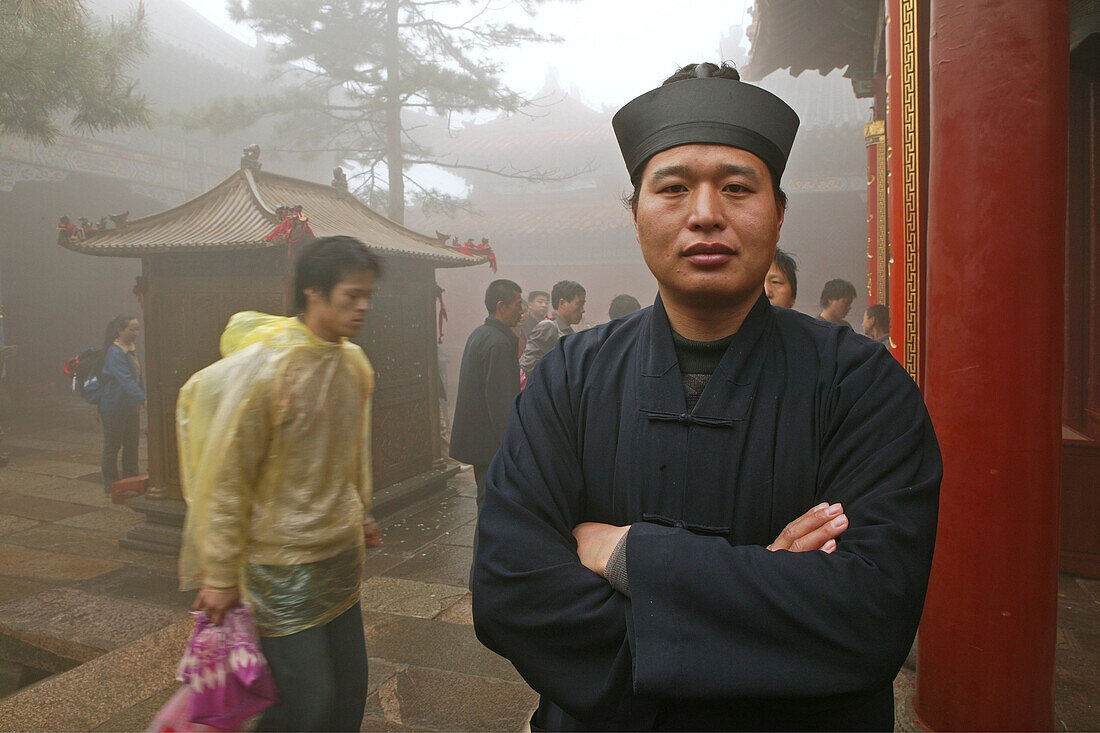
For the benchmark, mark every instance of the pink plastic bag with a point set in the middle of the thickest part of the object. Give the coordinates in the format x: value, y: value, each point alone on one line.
x: 172, y: 717
x: 226, y: 672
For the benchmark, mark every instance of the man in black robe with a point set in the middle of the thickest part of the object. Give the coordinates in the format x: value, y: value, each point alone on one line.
x: 714, y: 513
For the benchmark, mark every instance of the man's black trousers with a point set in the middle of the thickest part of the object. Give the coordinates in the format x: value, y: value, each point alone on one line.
x: 320, y: 675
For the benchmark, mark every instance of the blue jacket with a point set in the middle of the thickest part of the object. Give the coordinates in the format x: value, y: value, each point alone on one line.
x: 122, y: 395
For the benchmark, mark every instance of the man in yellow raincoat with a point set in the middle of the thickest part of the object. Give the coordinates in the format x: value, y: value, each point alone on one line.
x: 276, y: 471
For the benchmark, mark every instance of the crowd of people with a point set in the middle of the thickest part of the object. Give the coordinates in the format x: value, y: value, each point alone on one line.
x: 837, y: 296
x: 502, y: 352
x: 712, y: 513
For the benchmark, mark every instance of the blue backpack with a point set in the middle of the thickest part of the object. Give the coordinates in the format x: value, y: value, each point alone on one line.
x: 85, y: 369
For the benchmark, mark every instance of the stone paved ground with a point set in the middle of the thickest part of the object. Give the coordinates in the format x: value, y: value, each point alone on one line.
x: 72, y: 599
x: 69, y: 595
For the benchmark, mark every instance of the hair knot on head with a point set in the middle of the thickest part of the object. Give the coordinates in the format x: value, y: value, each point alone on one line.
x: 705, y: 70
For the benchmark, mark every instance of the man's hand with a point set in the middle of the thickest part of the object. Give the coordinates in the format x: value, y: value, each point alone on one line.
x: 216, y: 602
x: 817, y: 529
x: 372, y: 534
x: 595, y: 543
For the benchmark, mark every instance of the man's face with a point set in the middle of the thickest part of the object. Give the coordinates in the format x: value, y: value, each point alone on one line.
x: 838, y: 309
x: 540, y: 306
x: 708, y: 223
x: 343, y: 312
x: 778, y: 288
x: 509, y: 313
x: 571, y: 311
x: 868, y: 324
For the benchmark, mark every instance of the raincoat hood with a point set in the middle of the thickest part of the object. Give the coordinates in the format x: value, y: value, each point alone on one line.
x: 252, y: 327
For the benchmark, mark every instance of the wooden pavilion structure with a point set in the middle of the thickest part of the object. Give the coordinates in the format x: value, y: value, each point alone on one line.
x: 232, y: 249
x: 983, y: 242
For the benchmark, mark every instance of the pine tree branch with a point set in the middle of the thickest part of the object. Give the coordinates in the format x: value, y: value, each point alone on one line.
x: 335, y: 53
x: 56, y: 61
x: 537, y: 175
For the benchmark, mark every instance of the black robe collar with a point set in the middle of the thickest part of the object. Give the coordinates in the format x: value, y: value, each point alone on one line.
x: 730, y: 392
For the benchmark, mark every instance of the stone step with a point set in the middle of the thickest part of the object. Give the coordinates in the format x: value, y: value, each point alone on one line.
x: 163, y: 526
x: 397, y: 498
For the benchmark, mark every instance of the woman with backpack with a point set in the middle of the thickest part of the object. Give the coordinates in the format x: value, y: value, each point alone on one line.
x: 121, y: 400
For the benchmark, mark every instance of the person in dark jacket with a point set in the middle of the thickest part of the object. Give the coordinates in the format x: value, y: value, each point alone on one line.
x: 623, y: 305
x: 712, y: 514
x: 836, y: 301
x: 876, y: 323
x: 488, y: 381
x: 121, y: 400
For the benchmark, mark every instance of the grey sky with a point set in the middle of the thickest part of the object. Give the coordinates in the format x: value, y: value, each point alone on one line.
x: 613, y: 49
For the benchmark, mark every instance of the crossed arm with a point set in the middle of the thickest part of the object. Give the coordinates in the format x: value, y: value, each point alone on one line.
x: 817, y: 529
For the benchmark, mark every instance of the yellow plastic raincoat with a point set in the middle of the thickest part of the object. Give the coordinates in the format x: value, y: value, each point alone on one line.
x: 275, y: 463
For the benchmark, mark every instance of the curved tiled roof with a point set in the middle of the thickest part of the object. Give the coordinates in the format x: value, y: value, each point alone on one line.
x: 239, y: 213
x: 526, y: 140
x: 814, y: 34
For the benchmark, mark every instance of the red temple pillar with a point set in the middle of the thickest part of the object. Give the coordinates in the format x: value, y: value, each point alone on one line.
x: 993, y: 379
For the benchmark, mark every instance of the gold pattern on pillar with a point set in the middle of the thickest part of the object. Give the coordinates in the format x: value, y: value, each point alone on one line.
x: 903, y: 154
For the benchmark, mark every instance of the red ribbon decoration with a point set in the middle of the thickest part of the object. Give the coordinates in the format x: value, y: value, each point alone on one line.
x: 478, y: 250
x: 293, y: 228
x: 140, y: 290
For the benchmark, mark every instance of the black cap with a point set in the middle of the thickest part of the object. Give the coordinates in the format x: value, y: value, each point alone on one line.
x: 706, y: 110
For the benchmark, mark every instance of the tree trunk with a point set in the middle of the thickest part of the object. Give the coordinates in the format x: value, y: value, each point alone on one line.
x: 395, y: 157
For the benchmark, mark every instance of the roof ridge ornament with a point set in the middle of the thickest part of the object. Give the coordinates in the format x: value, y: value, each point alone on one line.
x: 484, y: 249
x: 70, y: 233
x: 250, y: 158
x: 339, y: 179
